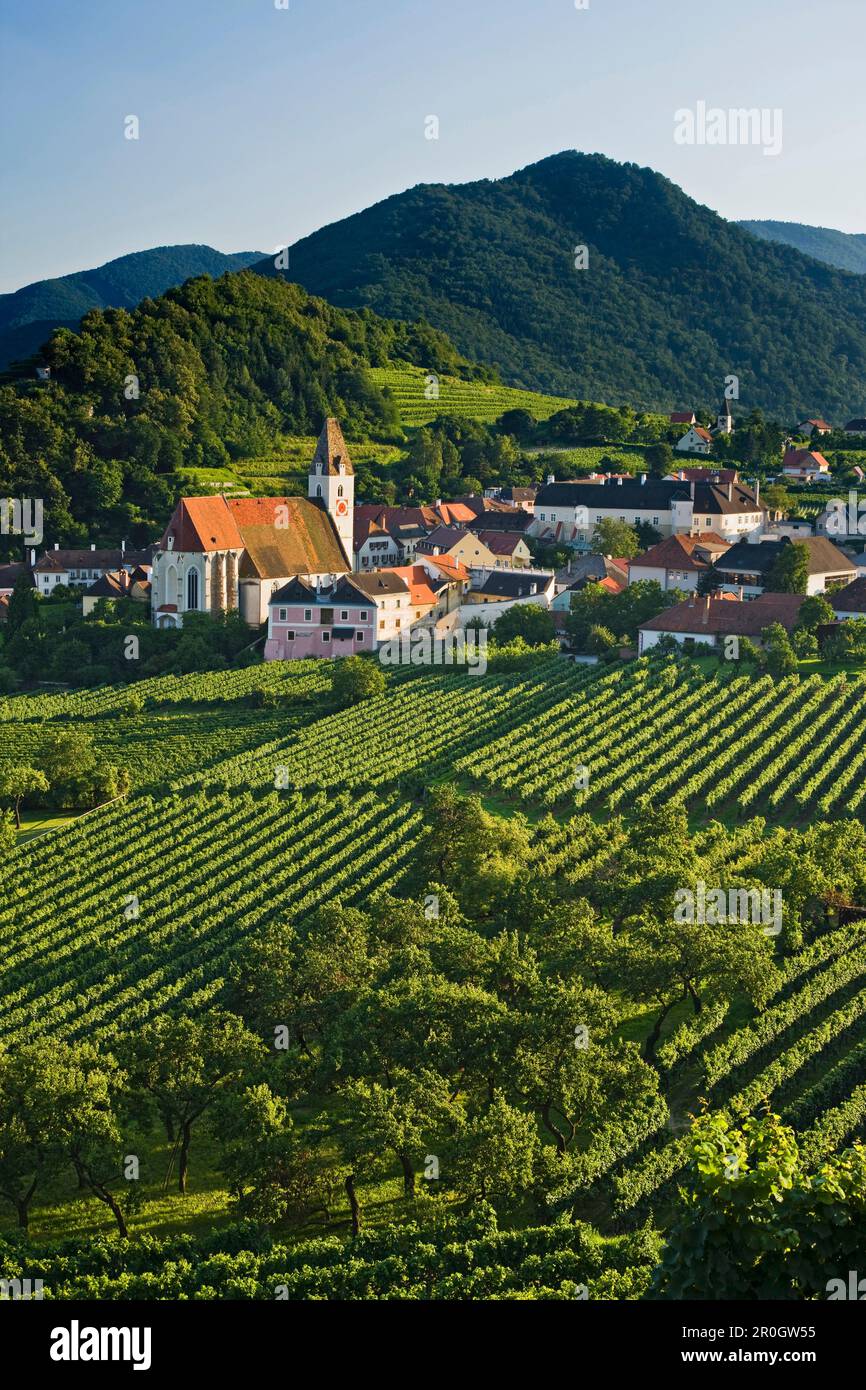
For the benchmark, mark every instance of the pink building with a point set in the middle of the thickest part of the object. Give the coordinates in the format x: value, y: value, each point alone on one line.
x: 334, y: 619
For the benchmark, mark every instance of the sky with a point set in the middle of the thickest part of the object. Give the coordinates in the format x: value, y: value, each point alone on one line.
x: 260, y: 121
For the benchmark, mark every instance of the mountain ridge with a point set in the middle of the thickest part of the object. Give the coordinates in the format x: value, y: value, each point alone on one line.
x: 674, y: 300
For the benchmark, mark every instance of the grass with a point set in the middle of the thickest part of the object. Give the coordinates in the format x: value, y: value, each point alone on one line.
x: 34, y: 823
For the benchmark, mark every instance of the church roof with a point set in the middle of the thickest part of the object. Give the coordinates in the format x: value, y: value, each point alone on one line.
x: 280, y: 535
x: 331, y: 454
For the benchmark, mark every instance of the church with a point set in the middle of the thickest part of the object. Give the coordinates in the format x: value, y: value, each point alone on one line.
x: 223, y: 553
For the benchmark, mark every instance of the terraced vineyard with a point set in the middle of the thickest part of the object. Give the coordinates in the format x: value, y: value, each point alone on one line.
x: 474, y: 399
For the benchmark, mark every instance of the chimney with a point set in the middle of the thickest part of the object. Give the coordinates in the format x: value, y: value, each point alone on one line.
x: 692, y: 489
x: 56, y: 545
x: 93, y: 545
x: 706, y: 617
x: 123, y: 547
x: 550, y: 479
x: 740, y: 593
x: 758, y: 491
x: 619, y: 482
x: 642, y: 479
x: 32, y: 558
x: 730, y: 492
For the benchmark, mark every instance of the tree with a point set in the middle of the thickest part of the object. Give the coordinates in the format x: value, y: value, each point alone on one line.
x: 760, y: 1219
x: 600, y: 640
x: 814, y: 611
x: 779, y: 655
x: 23, y: 603
x: 527, y: 620
x: 659, y: 460
x: 19, y: 781
x: 57, y: 1106
x: 181, y: 1065
x: 612, y: 537
x: 497, y: 1154
x: 790, y: 570
x: 273, y: 1174
x: 356, y: 678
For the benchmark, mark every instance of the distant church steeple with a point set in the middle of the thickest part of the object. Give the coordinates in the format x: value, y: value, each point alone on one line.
x: 332, y: 481
x: 725, y: 419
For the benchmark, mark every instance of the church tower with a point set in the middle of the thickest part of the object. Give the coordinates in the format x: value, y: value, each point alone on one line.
x: 725, y: 419
x: 332, y: 481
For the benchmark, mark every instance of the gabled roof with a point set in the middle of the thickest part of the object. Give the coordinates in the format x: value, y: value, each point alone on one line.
x: 722, y: 613
x: 452, y: 569
x: 298, y: 590
x: 746, y: 558
x: 423, y: 587
x: 500, y: 542
x: 331, y: 454
x: 380, y: 583
x: 805, y: 458
x: 446, y: 537
x: 682, y: 417
x: 680, y: 553
x: 513, y: 584
x: 818, y: 424
x: 701, y: 433
x: 308, y: 544
x: 851, y: 599
x: 57, y: 560
x: 113, y: 584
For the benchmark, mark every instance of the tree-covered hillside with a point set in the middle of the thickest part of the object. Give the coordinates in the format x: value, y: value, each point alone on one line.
x: 845, y: 250
x: 29, y: 315
x: 673, y: 299
x: 213, y: 371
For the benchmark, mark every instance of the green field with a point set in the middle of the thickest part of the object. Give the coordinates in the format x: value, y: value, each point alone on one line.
x: 413, y: 390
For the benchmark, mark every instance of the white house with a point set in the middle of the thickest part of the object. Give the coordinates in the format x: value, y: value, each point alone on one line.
x: 567, y: 513
x: 696, y: 440
x: 678, y: 562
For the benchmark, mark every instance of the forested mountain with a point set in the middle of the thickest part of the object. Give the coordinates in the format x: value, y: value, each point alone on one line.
x: 674, y: 298
x: 29, y: 315
x: 846, y: 250
x: 214, y: 370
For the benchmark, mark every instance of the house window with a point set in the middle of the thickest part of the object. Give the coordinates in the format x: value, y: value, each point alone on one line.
x: 359, y: 636
x: 192, y: 589
x: 308, y: 615
x: 344, y: 615
x: 655, y: 521
x: 364, y: 615
x: 340, y: 490
x: 326, y: 636
x: 282, y: 615
x: 381, y: 624
x: 319, y: 490
x: 397, y: 623
x: 327, y: 617
x: 290, y: 637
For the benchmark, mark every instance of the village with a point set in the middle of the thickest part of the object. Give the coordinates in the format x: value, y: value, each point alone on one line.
x: 333, y: 578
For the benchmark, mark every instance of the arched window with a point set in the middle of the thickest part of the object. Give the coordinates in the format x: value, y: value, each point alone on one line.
x: 340, y: 490
x: 319, y: 490
x: 192, y: 589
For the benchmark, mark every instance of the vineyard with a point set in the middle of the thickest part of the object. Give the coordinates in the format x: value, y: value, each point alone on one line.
x: 254, y: 801
x: 475, y: 400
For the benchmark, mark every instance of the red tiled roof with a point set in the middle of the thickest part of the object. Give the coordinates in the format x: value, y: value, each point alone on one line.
x: 805, y: 458
x: 726, y: 614
x: 678, y: 552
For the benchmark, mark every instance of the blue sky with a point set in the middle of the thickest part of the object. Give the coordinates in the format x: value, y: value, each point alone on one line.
x: 259, y: 125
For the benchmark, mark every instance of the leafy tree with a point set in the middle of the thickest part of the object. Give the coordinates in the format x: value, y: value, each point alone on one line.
x: 18, y: 781
x: 528, y: 621
x: 617, y: 538
x: 181, y: 1065
x: 790, y: 571
x: 273, y: 1174
x: 814, y: 611
x: 356, y: 678
x: 497, y: 1155
x: 659, y: 460
x: 23, y: 603
x: 779, y: 655
x: 759, y: 1221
